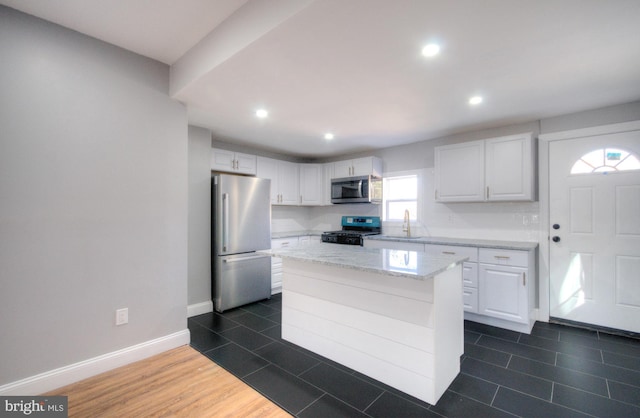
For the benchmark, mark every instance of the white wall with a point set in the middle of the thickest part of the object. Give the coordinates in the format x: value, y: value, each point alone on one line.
x: 93, y: 198
x: 199, y: 288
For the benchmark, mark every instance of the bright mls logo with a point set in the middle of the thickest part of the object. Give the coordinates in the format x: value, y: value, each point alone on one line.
x: 37, y: 406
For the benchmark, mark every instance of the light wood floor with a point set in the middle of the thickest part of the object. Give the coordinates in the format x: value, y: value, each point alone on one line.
x: 177, y: 383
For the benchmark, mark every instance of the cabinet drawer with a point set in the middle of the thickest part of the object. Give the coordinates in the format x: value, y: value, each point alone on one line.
x: 470, y: 299
x: 470, y: 274
x: 436, y: 249
x: 284, y: 242
x: 504, y: 257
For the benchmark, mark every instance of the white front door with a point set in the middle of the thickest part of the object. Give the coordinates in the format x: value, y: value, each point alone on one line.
x: 594, y: 214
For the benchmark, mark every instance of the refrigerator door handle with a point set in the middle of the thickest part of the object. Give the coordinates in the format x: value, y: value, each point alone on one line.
x: 236, y: 260
x: 225, y: 221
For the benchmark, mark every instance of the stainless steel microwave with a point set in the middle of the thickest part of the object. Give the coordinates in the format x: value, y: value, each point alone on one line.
x: 361, y: 189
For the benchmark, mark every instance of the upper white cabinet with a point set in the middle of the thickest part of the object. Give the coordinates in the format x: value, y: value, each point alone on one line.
x: 312, y: 192
x: 233, y: 162
x: 496, y: 169
x: 358, y: 167
x: 509, y: 168
x: 460, y: 172
x: 284, y: 180
x: 328, y: 170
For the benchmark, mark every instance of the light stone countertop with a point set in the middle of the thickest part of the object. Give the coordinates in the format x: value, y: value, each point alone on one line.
x: 289, y: 234
x: 398, y: 263
x: 463, y: 242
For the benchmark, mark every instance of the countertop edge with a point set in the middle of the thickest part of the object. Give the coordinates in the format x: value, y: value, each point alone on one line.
x: 462, y: 242
x: 286, y: 254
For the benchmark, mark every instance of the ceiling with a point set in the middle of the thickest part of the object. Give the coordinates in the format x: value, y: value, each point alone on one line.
x: 355, y: 68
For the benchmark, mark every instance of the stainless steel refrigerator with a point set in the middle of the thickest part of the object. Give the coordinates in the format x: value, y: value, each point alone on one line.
x: 241, y: 225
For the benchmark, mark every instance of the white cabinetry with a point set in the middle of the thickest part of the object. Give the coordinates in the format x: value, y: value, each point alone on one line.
x: 505, y: 285
x: 328, y: 170
x: 233, y: 162
x: 498, y: 285
x: 311, y: 184
x: 358, y: 167
x: 284, y: 180
x: 496, y: 169
x: 509, y: 168
x: 469, y: 271
x: 276, y: 262
x: 460, y: 172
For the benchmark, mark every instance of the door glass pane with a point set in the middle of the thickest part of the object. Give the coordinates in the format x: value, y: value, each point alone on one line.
x: 629, y: 163
x: 594, y: 158
x: 606, y: 161
x: 580, y: 167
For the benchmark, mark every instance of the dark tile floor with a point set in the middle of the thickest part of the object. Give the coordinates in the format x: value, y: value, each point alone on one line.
x: 557, y: 371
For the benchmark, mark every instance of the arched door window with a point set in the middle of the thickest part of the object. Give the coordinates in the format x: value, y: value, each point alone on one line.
x: 606, y: 160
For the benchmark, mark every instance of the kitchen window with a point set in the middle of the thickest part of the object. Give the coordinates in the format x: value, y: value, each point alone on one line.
x: 400, y: 193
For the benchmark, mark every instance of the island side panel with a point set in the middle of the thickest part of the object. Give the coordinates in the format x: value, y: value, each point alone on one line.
x: 382, y: 326
x: 450, y: 325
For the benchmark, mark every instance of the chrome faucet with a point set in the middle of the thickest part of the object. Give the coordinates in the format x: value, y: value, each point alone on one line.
x: 406, y: 225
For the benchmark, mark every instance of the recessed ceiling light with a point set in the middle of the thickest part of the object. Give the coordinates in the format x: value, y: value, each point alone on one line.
x: 475, y: 100
x: 262, y: 113
x: 329, y: 136
x: 431, y: 50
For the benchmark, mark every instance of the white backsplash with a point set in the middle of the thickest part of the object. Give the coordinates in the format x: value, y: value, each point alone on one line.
x: 510, y: 221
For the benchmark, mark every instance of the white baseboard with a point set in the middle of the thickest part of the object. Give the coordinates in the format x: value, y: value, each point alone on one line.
x: 199, y: 308
x: 53, y: 379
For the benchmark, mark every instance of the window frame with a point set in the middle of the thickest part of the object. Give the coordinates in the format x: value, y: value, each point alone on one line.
x: 419, y: 200
x: 597, y: 170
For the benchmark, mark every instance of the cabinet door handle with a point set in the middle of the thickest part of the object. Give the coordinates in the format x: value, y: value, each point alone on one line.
x: 436, y: 193
x: 502, y: 257
x: 449, y: 252
x: 524, y: 278
x: 487, y: 192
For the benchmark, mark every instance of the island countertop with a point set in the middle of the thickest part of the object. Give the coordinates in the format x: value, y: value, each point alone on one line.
x: 399, y: 263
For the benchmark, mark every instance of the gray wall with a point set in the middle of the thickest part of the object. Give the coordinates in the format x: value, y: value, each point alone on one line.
x: 199, y: 215
x: 625, y: 112
x: 93, y: 198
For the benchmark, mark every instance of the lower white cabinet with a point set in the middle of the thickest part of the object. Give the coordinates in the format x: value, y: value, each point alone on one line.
x: 470, y: 286
x: 506, y: 288
x: 469, y: 271
x: 498, y: 285
x: 503, y: 292
x: 276, y: 262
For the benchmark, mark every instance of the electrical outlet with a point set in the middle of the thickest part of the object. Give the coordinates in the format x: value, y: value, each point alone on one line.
x: 122, y: 316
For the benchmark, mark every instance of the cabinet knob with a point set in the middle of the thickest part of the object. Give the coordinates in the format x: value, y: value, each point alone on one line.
x: 556, y: 226
x: 556, y: 239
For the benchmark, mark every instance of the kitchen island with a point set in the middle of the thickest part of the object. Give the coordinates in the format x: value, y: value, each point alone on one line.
x: 393, y: 315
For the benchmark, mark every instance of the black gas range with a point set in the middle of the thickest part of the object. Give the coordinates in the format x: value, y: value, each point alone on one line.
x: 354, y: 229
